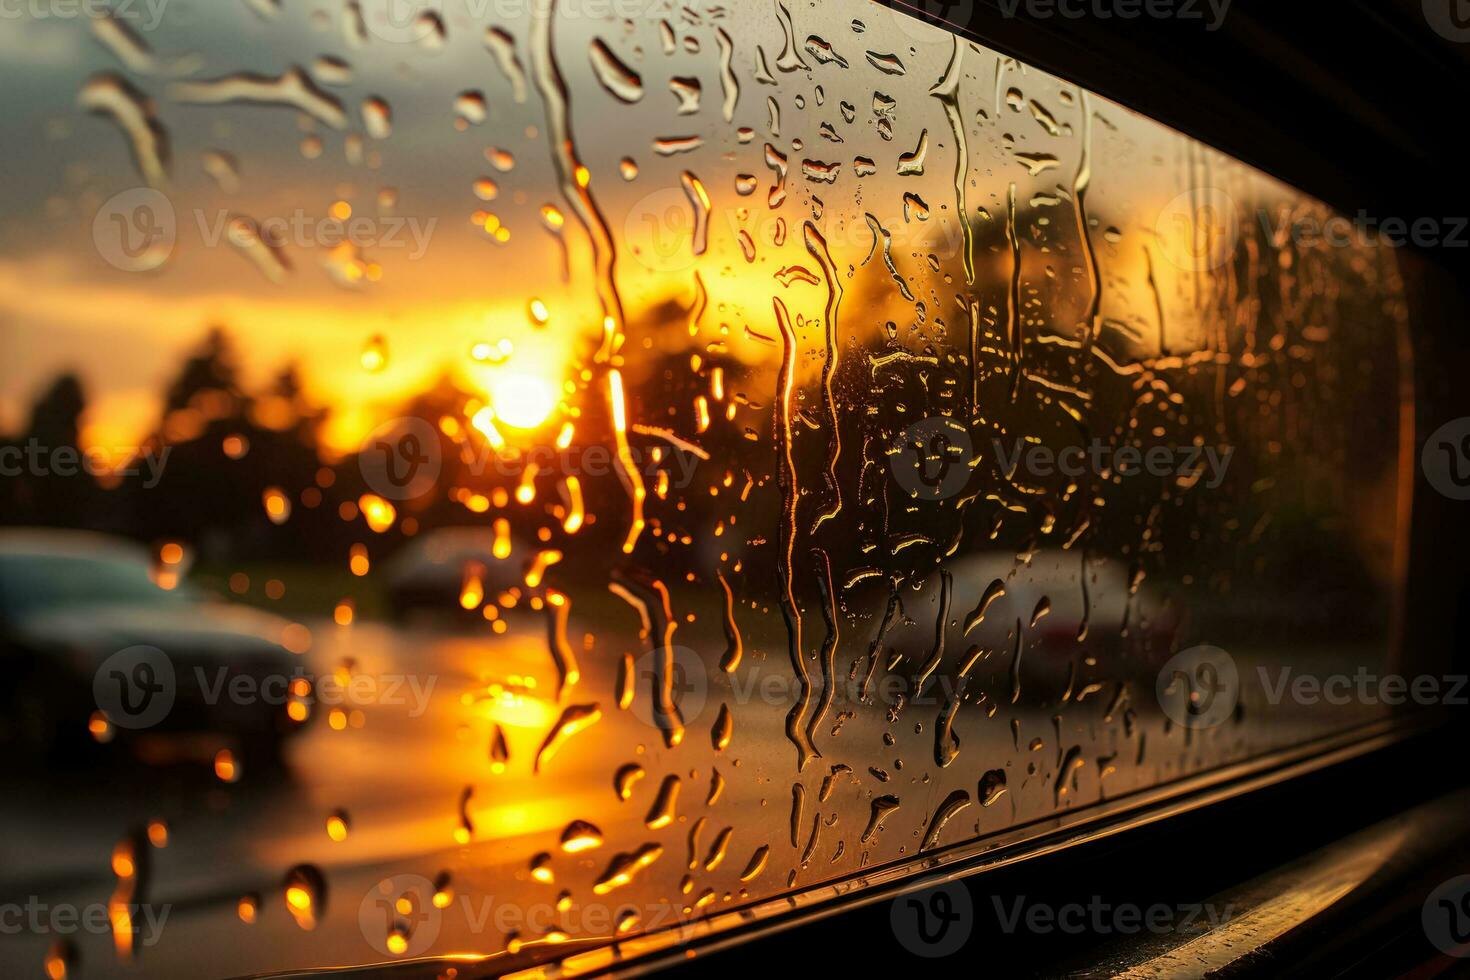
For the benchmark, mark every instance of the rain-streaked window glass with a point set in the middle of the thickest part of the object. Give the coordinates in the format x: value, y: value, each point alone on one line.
x: 486, y: 476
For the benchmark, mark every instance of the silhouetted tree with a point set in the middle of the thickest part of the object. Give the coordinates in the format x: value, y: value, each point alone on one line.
x: 52, y: 488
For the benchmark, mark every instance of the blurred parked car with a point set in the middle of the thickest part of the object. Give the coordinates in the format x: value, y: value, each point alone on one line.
x: 433, y: 574
x: 82, y: 618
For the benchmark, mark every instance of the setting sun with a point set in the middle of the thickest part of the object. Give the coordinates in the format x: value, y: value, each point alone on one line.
x: 522, y: 400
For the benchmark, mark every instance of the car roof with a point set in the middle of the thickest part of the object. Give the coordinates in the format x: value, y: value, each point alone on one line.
x: 38, y: 542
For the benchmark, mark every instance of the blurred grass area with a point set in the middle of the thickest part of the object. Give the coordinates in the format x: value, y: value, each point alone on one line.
x: 309, y: 590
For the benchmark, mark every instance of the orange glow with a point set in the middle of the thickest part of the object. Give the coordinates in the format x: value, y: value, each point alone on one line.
x: 465, y: 832
x: 122, y: 860
x: 623, y: 871
x: 309, y: 326
x: 514, y: 703
x: 484, y: 422
x: 544, y: 560
x: 296, y: 638
x: 277, y: 505
x: 580, y: 836
x: 575, y: 515
x: 499, y: 751
x: 224, y: 766
x: 122, y: 928
x: 374, y: 353
x: 522, y: 400
x: 358, y: 560
x: 526, y: 489
x: 489, y: 353
x: 541, y: 869
x: 699, y: 191
x: 627, y: 471
x: 472, y: 590
x: 56, y: 962
x: 378, y: 513
x: 301, y: 896
x: 337, y: 827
